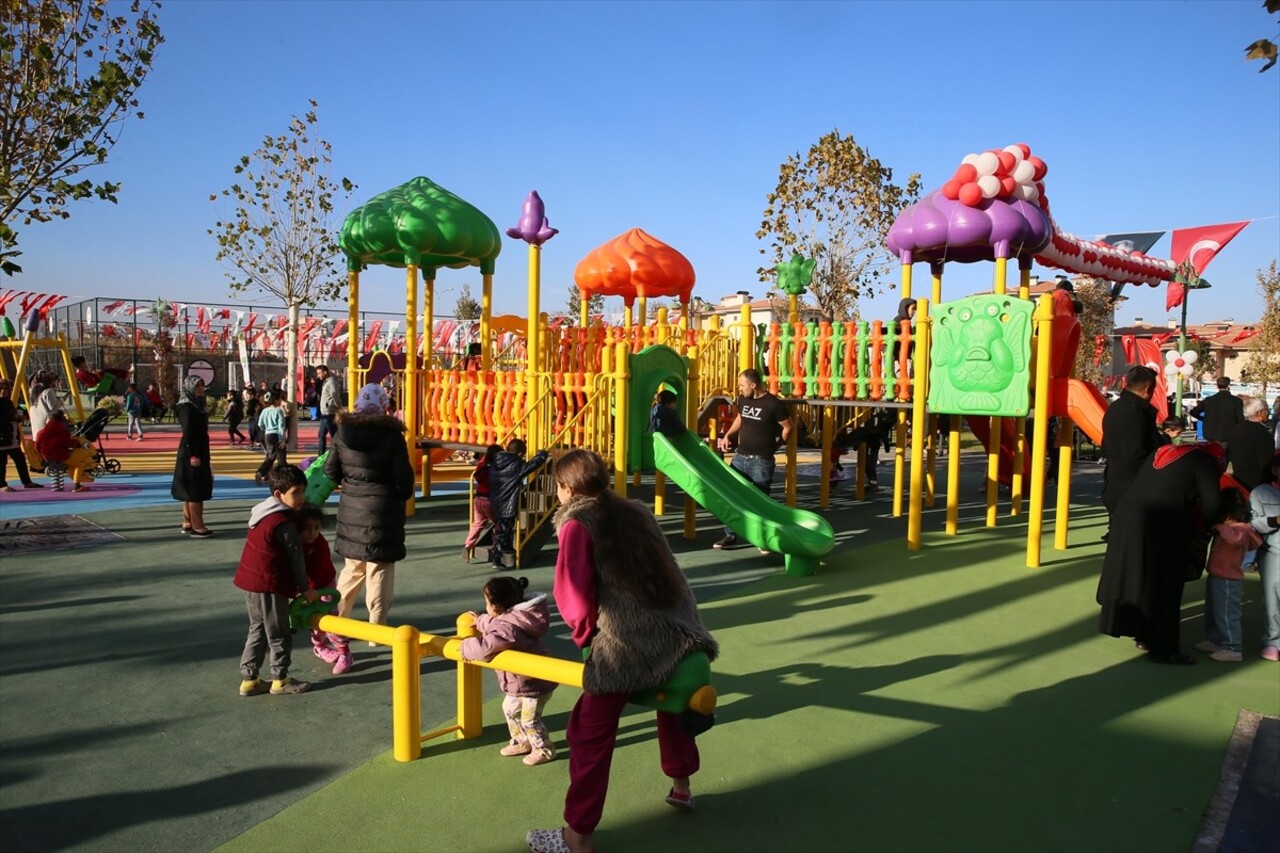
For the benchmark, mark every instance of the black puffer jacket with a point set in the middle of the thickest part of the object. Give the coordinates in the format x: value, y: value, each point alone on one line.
x: 506, y: 475
x: 370, y: 460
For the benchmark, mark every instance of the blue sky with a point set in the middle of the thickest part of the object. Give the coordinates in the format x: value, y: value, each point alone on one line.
x: 674, y: 117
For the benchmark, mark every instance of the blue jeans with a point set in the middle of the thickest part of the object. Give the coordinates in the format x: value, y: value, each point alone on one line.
x: 1222, y: 613
x: 757, y: 469
x: 327, y: 429
x: 1269, y: 563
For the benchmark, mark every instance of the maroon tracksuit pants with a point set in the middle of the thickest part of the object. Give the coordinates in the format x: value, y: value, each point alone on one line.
x: 592, y: 731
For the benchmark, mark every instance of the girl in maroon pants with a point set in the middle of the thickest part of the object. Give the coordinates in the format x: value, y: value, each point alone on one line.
x: 627, y: 603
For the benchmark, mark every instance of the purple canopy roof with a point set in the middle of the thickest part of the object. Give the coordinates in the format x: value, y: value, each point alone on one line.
x: 937, y: 229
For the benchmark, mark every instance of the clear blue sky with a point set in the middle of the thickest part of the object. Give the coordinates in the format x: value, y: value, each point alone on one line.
x: 674, y: 117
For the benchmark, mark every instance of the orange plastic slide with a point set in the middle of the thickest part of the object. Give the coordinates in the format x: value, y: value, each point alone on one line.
x: 1082, y: 402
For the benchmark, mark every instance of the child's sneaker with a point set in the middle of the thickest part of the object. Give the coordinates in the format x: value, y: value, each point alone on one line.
x: 253, y: 687
x: 285, y: 686
x: 1208, y: 646
x: 514, y: 749
x: 1226, y: 656
x: 533, y: 759
x: 343, y: 664
x: 326, y: 654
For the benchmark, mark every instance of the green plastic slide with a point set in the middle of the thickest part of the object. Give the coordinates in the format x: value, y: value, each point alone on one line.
x: 801, y: 536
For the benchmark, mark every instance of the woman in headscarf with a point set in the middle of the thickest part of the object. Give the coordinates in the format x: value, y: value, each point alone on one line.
x: 370, y: 460
x: 44, y: 400
x: 192, y: 474
x: 1149, y: 551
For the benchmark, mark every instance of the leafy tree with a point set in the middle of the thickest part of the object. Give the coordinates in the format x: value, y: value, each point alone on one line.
x: 1097, y: 319
x: 162, y: 348
x: 1207, y: 363
x: 467, y: 307
x: 281, y: 238
x: 1265, y: 49
x: 70, y: 75
x: 573, y: 308
x: 1263, y: 365
x: 835, y: 205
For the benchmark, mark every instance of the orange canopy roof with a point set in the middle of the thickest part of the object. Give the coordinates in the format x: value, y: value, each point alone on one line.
x: 635, y: 264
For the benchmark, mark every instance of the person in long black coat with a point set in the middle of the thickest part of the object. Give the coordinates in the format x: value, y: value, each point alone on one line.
x: 1252, y: 446
x: 1129, y: 435
x: 369, y: 458
x: 1220, y: 413
x: 1149, y: 550
x: 192, y: 471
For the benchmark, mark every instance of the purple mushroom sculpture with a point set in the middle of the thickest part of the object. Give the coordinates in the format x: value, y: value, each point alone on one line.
x: 533, y: 227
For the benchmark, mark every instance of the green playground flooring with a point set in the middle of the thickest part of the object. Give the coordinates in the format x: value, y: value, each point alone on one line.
x: 949, y: 699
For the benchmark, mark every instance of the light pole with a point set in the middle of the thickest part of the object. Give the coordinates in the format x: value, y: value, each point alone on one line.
x: 1194, y: 283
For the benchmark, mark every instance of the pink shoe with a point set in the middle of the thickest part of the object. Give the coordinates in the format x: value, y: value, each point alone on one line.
x: 343, y: 664
x: 684, y: 802
x: 1271, y: 653
x: 326, y: 654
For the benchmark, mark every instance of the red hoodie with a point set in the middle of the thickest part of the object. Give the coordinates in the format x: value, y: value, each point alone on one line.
x: 55, y: 441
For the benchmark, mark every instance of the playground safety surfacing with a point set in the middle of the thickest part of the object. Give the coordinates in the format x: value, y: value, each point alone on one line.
x: 949, y: 699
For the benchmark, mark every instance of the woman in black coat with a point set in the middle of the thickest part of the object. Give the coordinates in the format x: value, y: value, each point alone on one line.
x: 1149, y: 551
x: 192, y: 474
x: 370, y: 460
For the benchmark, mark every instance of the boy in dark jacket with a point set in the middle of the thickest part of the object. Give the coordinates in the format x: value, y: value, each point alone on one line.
x: 271, y: 572
x: 507, y: 473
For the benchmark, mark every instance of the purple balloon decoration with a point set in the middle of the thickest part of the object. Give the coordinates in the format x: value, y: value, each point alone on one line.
x: 533, y: 227
x: 33, y: 321
x: 937, y: 229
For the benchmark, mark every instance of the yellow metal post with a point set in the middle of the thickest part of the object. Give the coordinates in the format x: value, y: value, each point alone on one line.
x: 470, y: 689
x: 828, y: 438
x: 1044, y: 340
x: 906, y: 282
x: 931, y: 462
x: 1063, y: 519
x: 584, y: 305
x: 953, y: 477
x: 900, y: 451
x: 793, y: 445
x: 1018, y: 486
x: 747, y: 341
x: 621, y: 395
x: 993, y: 470
x: 353, y: 334
x: 486, y: 315
x: 919, y: 423
x: 406, y: 695
x: 411, y: 369
x: 692, y: 398
x: 533, y: 364
x: 936, y: 274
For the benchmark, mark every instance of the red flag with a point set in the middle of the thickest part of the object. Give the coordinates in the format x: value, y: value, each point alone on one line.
x: 1149, y: 355
x: 1245, y: 335
x: 1201, y: 245
x: 1174, y: 295
x: 1160, y: 339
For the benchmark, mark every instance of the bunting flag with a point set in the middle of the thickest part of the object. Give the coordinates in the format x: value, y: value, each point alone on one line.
x: 1148, y: 352
x: 375, y: 332
x: 113, y: 307
x: 1161, y: 338
x: 1133, y: 241
x: 1245, y: 335
x: 1201, y: 245
x: 339, y: 328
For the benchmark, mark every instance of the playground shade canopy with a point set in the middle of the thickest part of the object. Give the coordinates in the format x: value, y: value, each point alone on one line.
x: 634, y: 264
x: 422, y: 223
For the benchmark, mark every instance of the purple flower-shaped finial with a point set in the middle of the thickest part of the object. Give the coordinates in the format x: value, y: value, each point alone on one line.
x: 533, y: 226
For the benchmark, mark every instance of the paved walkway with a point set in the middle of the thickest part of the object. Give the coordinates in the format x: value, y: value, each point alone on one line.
x: 950, y: 699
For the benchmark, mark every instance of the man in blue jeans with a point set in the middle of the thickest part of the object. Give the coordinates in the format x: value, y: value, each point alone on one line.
x: 762, y: 424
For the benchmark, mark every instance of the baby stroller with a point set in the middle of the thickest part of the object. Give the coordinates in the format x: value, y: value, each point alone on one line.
x: 90, y: 432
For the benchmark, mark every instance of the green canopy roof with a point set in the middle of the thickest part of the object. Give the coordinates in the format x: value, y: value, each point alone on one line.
x: 419, y: 222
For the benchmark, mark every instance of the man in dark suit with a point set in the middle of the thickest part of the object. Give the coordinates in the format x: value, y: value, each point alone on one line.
x: 1220, y: 413
x: 1252, y: 446
x: 1129, y: 435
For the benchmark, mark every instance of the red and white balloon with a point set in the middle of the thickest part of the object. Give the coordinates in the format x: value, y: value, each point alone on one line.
x: 1180, y: 363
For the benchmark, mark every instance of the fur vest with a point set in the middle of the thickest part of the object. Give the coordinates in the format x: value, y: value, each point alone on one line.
x: 636, y: 646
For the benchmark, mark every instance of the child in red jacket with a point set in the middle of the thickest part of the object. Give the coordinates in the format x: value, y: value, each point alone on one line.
x: 1232, y: 539
x: 271, y: 572
x: 62, y: 451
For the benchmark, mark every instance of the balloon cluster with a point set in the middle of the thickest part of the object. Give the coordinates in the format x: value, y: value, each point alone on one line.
x: 1010, y: 172
x: 1101, y: 260
x: 1183, y: 363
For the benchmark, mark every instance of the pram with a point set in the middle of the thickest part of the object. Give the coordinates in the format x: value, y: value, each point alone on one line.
x: 91, y: 432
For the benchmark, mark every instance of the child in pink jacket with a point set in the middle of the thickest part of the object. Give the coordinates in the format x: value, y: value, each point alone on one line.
x: 511, y: 622
x: 1232, y: 539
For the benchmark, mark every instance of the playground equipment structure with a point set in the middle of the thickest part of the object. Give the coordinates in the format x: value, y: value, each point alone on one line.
x: 591, y: 385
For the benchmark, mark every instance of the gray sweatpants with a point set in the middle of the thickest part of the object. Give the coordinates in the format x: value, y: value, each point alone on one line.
x: 268, y: 626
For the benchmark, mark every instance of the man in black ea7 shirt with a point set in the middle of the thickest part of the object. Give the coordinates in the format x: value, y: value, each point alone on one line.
x: 761, y: 418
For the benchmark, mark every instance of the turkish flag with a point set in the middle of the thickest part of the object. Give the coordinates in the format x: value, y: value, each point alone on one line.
x: 1173, y: 295
x: 1201, y: 245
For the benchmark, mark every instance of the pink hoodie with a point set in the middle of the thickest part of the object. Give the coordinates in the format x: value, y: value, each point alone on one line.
x: 520, y: 629
x: 1231, y: 539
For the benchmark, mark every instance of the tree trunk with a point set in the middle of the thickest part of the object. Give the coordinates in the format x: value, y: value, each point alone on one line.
x: 291, y: 358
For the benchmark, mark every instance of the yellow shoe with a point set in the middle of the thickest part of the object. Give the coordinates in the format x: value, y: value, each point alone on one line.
x: 253, y: 687
x: 283, y: 686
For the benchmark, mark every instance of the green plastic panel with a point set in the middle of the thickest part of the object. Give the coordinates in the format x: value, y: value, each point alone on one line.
x: 981, y: 359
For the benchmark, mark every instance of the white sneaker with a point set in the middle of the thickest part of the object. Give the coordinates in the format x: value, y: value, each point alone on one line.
x: 1226, y: 656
